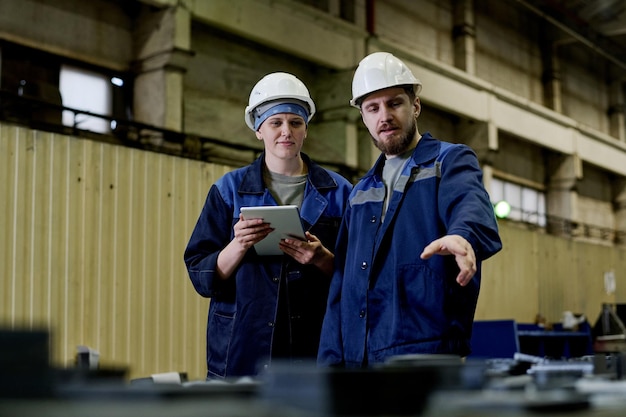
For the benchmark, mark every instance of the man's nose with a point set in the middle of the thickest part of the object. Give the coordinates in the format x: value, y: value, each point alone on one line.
x: 385, y: 113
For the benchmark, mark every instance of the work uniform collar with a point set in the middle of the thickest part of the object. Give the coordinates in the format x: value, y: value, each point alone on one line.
x: 427, y: 150
x: 252, y: 181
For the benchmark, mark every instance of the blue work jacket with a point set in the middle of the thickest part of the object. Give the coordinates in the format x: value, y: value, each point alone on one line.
x: 246, y: 310
x: 386, y: 301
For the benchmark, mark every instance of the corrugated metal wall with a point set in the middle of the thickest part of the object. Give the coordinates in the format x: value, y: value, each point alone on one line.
x: 92, y: 248
x: 537, y: 273
x: 92, y: 239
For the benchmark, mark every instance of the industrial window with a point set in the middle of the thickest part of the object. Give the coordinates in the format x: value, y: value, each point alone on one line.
x: 86, y: 91
x: 48, y: 91
x: 526, y: 204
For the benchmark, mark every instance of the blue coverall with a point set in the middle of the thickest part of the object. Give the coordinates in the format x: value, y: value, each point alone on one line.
x: 272, y: 306
x: 386, y: 301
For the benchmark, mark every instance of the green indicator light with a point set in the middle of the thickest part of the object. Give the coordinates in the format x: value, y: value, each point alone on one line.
x: 502, y: 209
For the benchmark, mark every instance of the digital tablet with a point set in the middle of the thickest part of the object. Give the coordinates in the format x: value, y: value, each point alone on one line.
x: 284, y: 219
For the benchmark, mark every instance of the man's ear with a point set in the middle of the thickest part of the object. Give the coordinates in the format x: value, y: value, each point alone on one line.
x: 258, y: 135
x: 418, y: 106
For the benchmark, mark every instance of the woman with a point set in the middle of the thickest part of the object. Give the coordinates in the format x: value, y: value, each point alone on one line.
x: 267, y: 307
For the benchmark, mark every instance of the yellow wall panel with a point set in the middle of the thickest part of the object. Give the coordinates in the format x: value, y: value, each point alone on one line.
x: 537, y: 273
x: 92, y: 249
x: 510, y: 279
x: 42, y: 193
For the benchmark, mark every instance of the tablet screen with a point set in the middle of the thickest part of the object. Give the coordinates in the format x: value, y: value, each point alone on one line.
x: 284, y: 219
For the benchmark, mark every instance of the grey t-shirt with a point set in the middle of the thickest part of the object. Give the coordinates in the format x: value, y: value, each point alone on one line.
x: 285, y: 189
x: 391, y: 172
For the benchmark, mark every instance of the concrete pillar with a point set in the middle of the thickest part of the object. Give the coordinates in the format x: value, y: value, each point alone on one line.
x: 551, y: 78
x: 334, y: 8
x: 335, y: 123
x: 356, y: 11
x: 561, y: 194
x: 617, y: 117
x: 163, y: 39
x: 619, y: 204
x: 483, y: 139
x: 464, y: 34
x: 487, y: 177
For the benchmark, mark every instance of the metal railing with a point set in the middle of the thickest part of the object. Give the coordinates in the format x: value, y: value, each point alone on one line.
x: 560, y: 226
x: 42, y: 115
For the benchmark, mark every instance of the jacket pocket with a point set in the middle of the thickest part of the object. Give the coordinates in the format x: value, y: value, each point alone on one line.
x: 219, y: 337
x: 421, y: 296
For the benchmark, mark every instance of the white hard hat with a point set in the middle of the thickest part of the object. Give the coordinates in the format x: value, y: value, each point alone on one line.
x: 380, y: 70
x: 276, y: 87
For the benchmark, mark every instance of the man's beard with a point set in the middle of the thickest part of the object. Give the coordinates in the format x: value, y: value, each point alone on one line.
x: 396, y: 147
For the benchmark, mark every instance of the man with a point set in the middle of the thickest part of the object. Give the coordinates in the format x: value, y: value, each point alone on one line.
x: 417, y: 227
